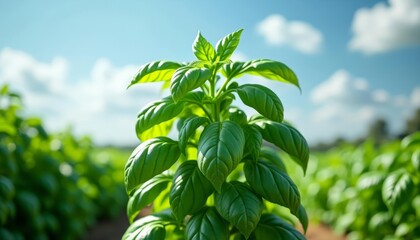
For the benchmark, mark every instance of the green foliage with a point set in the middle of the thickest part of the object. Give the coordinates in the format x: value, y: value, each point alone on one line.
x: 51, y: 186
x: 367, y: 192
x: 224, y: 185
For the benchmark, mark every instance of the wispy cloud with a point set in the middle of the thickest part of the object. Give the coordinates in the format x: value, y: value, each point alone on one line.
x: 386, y: 27
x: 345, y: 106
x: 98, y: 104
x: 278, y: 31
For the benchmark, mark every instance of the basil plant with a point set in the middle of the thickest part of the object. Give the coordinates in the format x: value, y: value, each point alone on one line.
x: 215, y: 180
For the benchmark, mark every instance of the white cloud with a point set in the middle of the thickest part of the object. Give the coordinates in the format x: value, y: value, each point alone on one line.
x: 98, y: 105
x: 386, y: 27
x: 278, y: 31
x: 239, y: 57
x: 345, y: 106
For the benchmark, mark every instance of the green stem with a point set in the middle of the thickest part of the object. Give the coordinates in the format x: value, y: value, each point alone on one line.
x: 221, y: 89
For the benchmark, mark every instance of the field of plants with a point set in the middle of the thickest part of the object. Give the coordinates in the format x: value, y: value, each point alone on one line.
x: 52, y: 186
x: 366, y: 192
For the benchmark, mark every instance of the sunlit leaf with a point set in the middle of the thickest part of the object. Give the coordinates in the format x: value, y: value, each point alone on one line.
x: 186, y: 79
x: 189, y: 191
x: 149, y: 159
x: 238, y: 204
x: 207, y: 224
x: 155, y: 71
x: 202, y: 49
x: 220, y: 150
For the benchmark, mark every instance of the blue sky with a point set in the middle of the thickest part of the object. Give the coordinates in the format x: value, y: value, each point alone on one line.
x: 356, y: 60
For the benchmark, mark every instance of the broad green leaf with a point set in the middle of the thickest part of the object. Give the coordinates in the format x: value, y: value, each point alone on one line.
x: 151, y: 227
x: 188, y: 129
x: 371, y: 180
x: 186, y: 79
x: 149, y: 159
x: 272, y: 156
x: 262, y: 67
x: 272, y: 184
x: 263, y: 100
x: 303, y: 217
x: 238, y: 204
x: 220, y: 150
x: 161, y: 129
x: 273, y: 227
x: 227, y: 45
x: 189, y: 191
x: 411, y: 140
x: 155, y: 72
x: 397, y: 189
x: 238, y: 116
x: 202, y: 49
x: 146, y: 194
x: 157, y: 112
x: 207, y: 224
x: 288, y: 139
x: 253, y: 141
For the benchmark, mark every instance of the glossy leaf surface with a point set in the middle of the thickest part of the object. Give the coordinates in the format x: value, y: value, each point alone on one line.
x: 189, y: 191
x: 202, y: 49
x: 188, y: 129
x: 146, y: 194
x: 207, y: 224
x: 149, y: 159
x: 253, y: 141
x: 155, y: 71
x: 238, y: 204
x: 263, y: 100
x: 155, y: 113
x: 220, y: 150
x: 272, y: 184
x: 227, y: 45
x: 186, y: 79
x: 273, y: 227
x: 288, y: 139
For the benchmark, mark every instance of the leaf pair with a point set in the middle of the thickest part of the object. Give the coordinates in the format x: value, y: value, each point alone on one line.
x: 204, y: 51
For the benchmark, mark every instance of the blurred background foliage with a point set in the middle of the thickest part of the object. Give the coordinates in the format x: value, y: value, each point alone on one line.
x: 53, y: 186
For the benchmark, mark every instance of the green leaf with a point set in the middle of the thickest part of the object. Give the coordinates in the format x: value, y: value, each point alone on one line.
x: 272, y: 184
x: 189, y: 191
x: 151, y: 227
x: 411, y: 140
x: 237, y: 115
x: 263, y: 100
x: 397, y: 189
x: 262, y: 67
x: 161, y: 129
x: 253, y: 141
x: 303, y: 218
x: 227, y: 45
x: 288, y: 139
x: 155, y: 72
x: 188, y: 128
x: 273, y: 227
x: 207, y: 224
x: 238, y: 204
x: 272, y: 156
x: 146, y: 194
x: 186, y: 79
x: 220, y: 150
x: 371, y: 180
x: 202, y: 49
x: 149, y: 159
x: 155, y: 113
